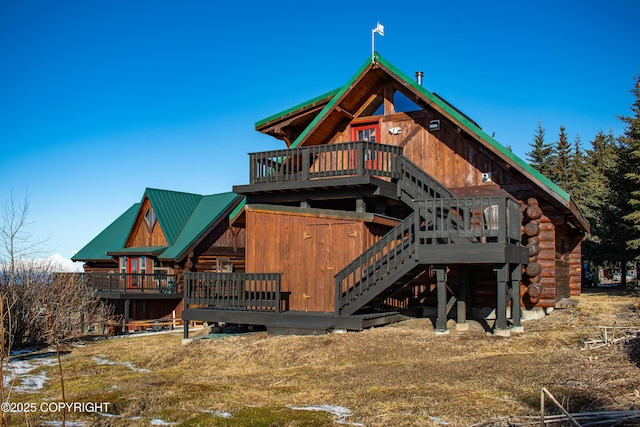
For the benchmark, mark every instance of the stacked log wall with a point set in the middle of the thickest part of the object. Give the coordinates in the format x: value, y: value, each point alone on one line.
x: 575, y: 264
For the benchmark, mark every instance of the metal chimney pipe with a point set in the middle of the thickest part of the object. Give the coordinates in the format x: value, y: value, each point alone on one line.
x: 419, y: 75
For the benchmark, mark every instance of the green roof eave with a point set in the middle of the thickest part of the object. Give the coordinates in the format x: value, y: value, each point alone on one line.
x: 138, y: 251
x: 295, y: 108
x: 173, y: 209
x: 452, y: 112
x: 475, y: 130
x: 238, y: 210
x: 338, y: 95
x: 205, y: 216
x: 113, y: 237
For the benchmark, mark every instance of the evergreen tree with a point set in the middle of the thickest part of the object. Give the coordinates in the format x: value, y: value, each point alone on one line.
x: 540, y: 155
x: 595, y: 203
x: 561, y: 159
x: 578, y: 184
x: 629, y: 169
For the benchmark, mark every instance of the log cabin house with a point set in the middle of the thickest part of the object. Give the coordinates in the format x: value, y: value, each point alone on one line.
x: 388, y: 200
x: 137, y: 263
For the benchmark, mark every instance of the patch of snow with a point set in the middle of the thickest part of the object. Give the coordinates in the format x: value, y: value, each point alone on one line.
x: 59, y: 423
x: 159, y: 422
x: 220, y: 414
x: 340, y: 412
x: 25, y: 375
x: 129, y: 365
x: 439, y: 420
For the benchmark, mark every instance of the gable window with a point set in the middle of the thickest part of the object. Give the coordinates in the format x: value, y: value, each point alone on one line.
x: 150, y: 217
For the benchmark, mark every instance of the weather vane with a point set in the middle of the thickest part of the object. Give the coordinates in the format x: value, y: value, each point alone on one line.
x: 380, y: 30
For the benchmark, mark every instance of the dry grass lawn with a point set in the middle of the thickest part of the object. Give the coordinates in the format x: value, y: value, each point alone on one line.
x: 399, y: 375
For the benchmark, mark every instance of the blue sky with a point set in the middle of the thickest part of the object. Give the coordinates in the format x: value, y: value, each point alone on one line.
x: 101, y: 99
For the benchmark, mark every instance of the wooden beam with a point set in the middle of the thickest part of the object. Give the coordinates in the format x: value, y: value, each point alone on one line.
x: 516, y: 311
x: 464, y: 286
x: 344, y: 112
x: 389, y: 107
x: 502, y: 276
x: 441, y: 284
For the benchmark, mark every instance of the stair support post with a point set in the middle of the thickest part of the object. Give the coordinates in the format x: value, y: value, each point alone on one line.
x: 516, y: 310
x: 441, y: 284
x: 502, y: 277
x: 464, y: 290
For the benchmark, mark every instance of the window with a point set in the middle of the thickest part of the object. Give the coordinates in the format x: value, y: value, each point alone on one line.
x: 369, y: 132
x: 150, y: 217
x: 143, y: 265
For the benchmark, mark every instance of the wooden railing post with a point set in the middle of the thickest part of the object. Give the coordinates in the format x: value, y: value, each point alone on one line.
x: 305, y: 153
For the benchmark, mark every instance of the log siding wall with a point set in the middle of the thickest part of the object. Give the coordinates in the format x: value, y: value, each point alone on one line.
x: 458, y: 161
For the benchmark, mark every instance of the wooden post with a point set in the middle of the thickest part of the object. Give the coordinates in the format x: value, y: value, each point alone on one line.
x: 502, y: 273
x: 463, y: 286
x: 360, y: 205
x: 441, y: 278
x: 516, y: 311
x: 127, y: 307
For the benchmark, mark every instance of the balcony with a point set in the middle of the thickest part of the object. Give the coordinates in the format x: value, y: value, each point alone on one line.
x: 133, y: 284
x: 351, y: 159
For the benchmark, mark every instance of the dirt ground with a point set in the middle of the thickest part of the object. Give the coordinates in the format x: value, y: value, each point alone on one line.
x: 398, y: 375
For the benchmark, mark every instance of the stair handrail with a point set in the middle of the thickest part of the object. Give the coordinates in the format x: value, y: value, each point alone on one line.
x: 394, y: 248
x: 413, y: 177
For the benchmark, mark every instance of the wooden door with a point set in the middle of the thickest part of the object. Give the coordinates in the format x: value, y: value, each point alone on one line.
x: 133, y: 268
x: 368, y: 132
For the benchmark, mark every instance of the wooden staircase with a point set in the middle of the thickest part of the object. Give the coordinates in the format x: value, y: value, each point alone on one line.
x: 441, y: 229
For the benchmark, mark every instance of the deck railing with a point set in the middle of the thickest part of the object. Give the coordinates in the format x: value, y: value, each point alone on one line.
x: 322, y: 161
x: 158, y: 283
x: 470, y: 219
x: 393, y: 249
x: 234, y: 291
x: 445, y: 221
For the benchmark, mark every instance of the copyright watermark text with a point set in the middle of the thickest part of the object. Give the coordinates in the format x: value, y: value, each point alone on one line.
x: 54, y: 407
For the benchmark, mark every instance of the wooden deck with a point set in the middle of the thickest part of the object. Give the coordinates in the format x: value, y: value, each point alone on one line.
x: 133, y: 286
x: 437, y: 229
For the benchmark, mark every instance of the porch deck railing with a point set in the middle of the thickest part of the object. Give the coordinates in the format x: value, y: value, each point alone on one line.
x: 233, y: 291
x: 470, y: 219
x: 323, y: 161
x: 446, y: 221
x: 157, y: 283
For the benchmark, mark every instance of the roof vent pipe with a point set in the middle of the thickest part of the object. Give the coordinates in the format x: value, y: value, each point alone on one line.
x: 419, y: 75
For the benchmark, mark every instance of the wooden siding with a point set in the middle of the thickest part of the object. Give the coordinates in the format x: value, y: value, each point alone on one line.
x: 150, y: 309
x: 140, y: 235
x: 101, y: 267
x: 308, y: 250
x: 456, y: 160
x: 223, y: 245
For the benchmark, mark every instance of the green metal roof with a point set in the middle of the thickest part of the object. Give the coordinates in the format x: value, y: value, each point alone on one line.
x: 330, y: 105
x: 112, y: 237
x: 447, y: 108
x: 183, y: 217
x: 139, y: 250
x: 295, y: 108
x: 208, y: 212
x: 475, y: 129
x: 173, y: 209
